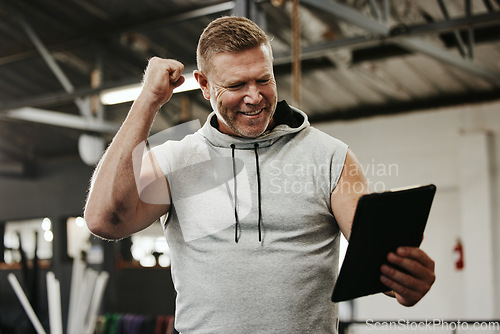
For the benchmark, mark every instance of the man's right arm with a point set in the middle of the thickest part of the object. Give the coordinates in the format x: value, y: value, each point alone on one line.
x: 115, y: 208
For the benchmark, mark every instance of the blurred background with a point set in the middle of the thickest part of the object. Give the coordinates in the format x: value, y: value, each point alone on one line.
x: 412, y: 86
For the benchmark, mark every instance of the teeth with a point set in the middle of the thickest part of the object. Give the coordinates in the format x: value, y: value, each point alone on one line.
x: 252, y: 113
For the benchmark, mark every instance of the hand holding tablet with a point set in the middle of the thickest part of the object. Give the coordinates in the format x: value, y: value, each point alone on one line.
x: 383, y: 222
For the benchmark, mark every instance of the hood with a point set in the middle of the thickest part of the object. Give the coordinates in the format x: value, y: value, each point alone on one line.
x: 288, y: 120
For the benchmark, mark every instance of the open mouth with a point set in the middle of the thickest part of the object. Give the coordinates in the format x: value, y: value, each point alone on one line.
x: 252, y: 113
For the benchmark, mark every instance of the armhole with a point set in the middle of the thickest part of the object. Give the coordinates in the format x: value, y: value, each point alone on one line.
x: 164, y: 220
x: 338, y: 164
x: 163, y: 161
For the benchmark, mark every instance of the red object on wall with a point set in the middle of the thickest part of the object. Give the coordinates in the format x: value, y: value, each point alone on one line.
x: 459, y: 249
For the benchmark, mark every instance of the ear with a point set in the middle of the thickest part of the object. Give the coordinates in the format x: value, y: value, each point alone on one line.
x: 203, y: 82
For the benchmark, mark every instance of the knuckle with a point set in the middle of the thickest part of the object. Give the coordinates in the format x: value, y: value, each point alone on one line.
x: 433, y: 279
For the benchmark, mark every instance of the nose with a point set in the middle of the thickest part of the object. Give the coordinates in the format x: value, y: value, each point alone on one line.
x: 252, y: 94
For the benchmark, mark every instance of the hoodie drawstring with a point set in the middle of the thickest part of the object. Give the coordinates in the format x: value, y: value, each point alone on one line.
x: 237, y: 224
x: 237, y: 221
x: 256, y: 146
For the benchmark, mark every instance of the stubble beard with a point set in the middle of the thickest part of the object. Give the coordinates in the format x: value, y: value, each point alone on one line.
x: 229, y: 118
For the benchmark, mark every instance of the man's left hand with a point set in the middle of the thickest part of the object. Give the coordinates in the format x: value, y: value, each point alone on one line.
x: 408, y: 288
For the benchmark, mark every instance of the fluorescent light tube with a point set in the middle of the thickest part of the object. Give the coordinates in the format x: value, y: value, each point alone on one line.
x: 131, y: 92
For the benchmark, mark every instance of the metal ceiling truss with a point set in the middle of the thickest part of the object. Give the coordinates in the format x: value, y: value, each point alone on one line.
x: 140, y: 26
x: 395, y: 33
x: 460, y: 42
x: 381, y: 31
x: 378, y: 33
x: 87, y: 122
x: 83, y: 104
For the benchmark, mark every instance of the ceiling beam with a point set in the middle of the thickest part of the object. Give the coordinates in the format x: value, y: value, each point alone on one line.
x: 447, y: 100
x: 460, y: 23
x: 63, y: 97
x: 52, y: 64
x: 97, y: 35
x: 310, y: 52
x: 437, y: 52
x: 349, y: 15
x: 353, y: 16
x: 398, y: 32
x: 61, y: 119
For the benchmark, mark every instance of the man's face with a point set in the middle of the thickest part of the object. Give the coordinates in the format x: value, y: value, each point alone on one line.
x: 242, y: 90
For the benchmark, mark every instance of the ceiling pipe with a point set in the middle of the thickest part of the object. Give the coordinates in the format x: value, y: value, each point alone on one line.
x: 54, y: 118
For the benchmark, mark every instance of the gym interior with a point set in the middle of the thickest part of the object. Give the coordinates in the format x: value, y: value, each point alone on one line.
x: 413, y: 87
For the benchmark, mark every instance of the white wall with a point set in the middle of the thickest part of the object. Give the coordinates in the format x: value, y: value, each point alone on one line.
x: 458, y: 149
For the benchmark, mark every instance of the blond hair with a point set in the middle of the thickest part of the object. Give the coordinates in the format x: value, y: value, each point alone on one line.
x: 228, y: 34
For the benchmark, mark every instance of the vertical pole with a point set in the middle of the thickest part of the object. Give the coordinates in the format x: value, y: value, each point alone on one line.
x: 458, y: 38
x: 60, y: 261
x: 185, y: 109
x: 97, y: 109
x: 470, y: 31
x: 296, y: 64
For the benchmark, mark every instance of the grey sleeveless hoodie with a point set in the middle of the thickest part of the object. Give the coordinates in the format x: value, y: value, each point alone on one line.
x: 253, y: 240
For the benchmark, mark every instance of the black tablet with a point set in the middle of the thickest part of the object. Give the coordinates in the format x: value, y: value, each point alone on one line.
x: 382, y: 223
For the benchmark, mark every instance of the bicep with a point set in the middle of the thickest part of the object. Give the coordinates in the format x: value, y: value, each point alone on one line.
x: 351, y: 186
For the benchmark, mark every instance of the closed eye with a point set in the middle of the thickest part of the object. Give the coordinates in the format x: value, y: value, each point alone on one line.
x: 235, y: 86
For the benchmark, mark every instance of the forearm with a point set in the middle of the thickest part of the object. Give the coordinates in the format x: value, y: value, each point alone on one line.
x: 113, y: 199
x: 114, y: 209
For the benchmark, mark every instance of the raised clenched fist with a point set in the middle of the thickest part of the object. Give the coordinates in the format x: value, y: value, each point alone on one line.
x: 161, y: 77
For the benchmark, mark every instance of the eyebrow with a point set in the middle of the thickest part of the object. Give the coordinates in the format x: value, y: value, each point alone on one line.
x: 239, y: 82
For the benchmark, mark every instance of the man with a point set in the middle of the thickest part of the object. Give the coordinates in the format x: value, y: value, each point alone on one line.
x: 255, y: 199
